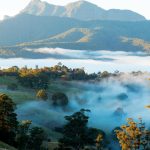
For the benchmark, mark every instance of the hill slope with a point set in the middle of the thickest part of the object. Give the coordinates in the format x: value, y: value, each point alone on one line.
x: 26, y: 28
x: 27, y: 31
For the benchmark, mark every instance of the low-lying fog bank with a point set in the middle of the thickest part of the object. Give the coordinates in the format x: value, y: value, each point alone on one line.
x: 92, y: 61
x: 111, y: 101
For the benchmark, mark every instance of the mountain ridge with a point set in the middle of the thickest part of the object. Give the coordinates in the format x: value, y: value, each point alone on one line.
x: 82, y: 10
x: 26, y: 31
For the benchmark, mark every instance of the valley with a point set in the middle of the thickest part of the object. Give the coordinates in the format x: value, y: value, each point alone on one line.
x: 74, y: 76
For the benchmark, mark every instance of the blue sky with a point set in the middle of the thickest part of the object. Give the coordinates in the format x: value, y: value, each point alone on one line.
x: 12, y: 7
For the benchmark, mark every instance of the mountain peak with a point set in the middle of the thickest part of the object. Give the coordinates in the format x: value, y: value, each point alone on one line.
x: 35, y: 1
x: 82, y: 2
x: 82, y: 10
x: 38, y: 8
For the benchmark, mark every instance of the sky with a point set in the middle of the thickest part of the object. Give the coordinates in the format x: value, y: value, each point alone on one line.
x: 13, y: 7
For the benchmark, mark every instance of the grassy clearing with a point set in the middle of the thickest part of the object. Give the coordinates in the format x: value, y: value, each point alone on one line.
x: 62, y: 86
x: 20, y: 96
x: 23, y: 94
x: 6, y: 80
x: 52, y: 145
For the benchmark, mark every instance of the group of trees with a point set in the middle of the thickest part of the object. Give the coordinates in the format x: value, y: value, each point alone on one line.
x: 33, y: 79
x: 13, y: 132
x: 29, y: 138
x: 134, y: 136
x: 76, y: 134
x: 57, y: 99
x: 39, y: 78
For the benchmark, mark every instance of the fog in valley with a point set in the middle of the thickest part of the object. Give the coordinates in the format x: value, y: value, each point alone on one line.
x: 111, y: 101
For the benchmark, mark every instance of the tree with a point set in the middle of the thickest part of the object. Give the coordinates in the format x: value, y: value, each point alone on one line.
x: 75, y: 132
x: 8, y: 119
x: 105, y: 74
x: 148, y: 106
x: 37, y: 136
x: 134, y: 136
x: 99, y: 140
x: 33, y: 79
x: 59, y: 99
x: 22, y: 137
x: 94, y: 137
x: 42, y: 94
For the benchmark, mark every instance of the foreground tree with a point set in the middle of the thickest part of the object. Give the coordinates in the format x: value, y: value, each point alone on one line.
x: 8, y: 119
x: 37, y: 136
x: 22, y: 137
x: 29, y: 138
x: 99, y: 141
x: 75, y: 132
x: 134, y: 136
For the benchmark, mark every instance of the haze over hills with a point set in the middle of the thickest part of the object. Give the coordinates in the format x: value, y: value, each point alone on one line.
x: 36, y: 28
x: 28, y: 31
x: 82, y: 10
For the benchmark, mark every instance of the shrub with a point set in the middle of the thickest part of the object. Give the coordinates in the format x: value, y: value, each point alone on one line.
x: 42, y: 94
x: 59, y: 99
x: 134, y: 135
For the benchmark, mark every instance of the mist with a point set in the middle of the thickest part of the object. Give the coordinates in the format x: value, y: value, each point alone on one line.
x: 110, y: 100
x: 92, y: 61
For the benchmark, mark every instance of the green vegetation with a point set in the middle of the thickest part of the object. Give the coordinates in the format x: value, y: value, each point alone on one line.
x: 7, y: 80
x: 41, y: 94
x: 75, y: 132
x: 8, y: 119
x: 17, y: 134
x: 6, y: 146
x: 12, y: 86
x: 59, y: 99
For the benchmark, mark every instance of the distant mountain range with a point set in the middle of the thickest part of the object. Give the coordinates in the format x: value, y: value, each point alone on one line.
x: 82, y: 10
x: 33, y: 29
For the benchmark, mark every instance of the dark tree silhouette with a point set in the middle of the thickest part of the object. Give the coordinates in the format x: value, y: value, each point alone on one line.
x: 8, y: 119
x: 59, y: 99
x: 75, y: 132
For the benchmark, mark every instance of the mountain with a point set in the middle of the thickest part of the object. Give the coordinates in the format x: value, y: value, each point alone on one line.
x: 26, y: 28
x: 82, y: 10
x: 23, y: 32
